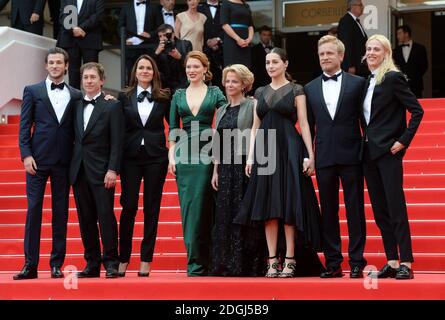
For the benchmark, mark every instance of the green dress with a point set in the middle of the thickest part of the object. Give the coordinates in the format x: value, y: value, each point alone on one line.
x: 194, y: 170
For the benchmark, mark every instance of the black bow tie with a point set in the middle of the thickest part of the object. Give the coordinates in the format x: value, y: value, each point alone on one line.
x: 213, y: 6
x: 57, y: 86
x: 372, y: 75
x: 87, y: 102
x: 405, y: 45
x: 357, y: 19
x: 334, y: 77
x: 145, y: 94
x: 141, y: 2
x: 168, y: 14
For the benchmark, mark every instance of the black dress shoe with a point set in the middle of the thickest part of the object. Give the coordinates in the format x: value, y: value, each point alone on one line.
x: 356, y: 272
x: 56, y: 273
x: 111, y: 273
x: 143, y: 274
x: 404, y: 273
x: 386, y: 272
x: 332, y: 273
x: 89, y: 273
x: 26, y: 273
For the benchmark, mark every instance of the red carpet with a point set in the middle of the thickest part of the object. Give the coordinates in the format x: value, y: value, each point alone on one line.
x: 424, y: 184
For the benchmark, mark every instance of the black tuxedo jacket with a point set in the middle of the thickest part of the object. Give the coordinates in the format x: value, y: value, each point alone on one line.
x: 160, y: 15
x: 50, y: 142
x: 259, y: 66
x: 212, y: 26
x: 355, y: 43
x: 153, y: 132
x: 416, y: 66
x: 89, y: 19
x: 127, y: 19
x: 99, y: 147
x: 24, y: 9
x: 387, y: 124
x: 338, y: 140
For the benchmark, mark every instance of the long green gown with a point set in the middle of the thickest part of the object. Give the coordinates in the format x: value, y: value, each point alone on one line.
x: 194, y: 173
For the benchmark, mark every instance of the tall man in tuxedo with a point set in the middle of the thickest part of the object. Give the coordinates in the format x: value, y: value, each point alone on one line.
x: 99, y: 132
x: 139, y: 18
x: 411, y: 59
x: 83, y: 42
x: 334, y: 108
x: 26, y: 15
x: 259, y: 52
x: 46, y: 153
x: 213, y: 34
x: 352, y: 34
x: 166, y: 13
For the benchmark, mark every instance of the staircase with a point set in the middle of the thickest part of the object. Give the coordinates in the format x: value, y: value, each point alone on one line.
x: 424, y: 185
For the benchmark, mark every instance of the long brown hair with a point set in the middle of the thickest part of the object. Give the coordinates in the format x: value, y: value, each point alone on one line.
x: 157, y: 91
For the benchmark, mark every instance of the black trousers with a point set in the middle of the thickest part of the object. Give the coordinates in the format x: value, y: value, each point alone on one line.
x: 79, y: 56
x: 133, y: 170
x: 35, y: 190
x: 36, y: 27
x: 384, y: 178
x: 96, y: 204
x: 328, y: 180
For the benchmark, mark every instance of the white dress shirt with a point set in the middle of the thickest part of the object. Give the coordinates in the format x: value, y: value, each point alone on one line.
x: 59, y: 99
x: 406, y: 50
x: 359, y: 24
x: 169, y: 19
x: 368, y: 99
x: 88, y: 110
x: 212, y: 9
x: 79, y: 5
x: 140, y: 21
x: 331, y: 93
x: 144, y: 108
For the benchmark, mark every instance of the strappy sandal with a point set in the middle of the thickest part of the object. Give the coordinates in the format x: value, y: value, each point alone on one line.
x: 289, y: 265
x: 273, y: 270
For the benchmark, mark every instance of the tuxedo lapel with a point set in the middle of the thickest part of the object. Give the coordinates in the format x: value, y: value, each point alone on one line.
x: 321, y: 96
x: 134, y: 108
x: 342, y: 90
x: 82, y: 9
x: 133, y: 17
x: 79, y: 116
x: 155, y: 109
x: 44, y: 96
x: 375, y: 106
x: 98, y: 108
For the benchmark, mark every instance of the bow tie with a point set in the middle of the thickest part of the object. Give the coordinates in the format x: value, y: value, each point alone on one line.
x: 141, y: 2
x: 405, y: 45
x: 357, y: 19
x: 57, y: 86
x: 372, y: 75
x: 168, y: 14
x: 213, y: 6
x: 145, y: 94
x: 334, y: 77
x: 87, y: 102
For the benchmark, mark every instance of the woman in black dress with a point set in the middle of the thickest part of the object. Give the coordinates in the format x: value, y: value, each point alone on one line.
x: 145, y: 155
x: 236, y: 20
x: 280, y: 190
x: 236, y: 250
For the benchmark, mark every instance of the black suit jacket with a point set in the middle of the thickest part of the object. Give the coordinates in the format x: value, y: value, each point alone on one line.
x: 99, y: 147
x: 259, y: 66
x: 153, y: 132
x: 212, y: 26
x: 387, y: 124
x: 89, y: 19
x: 338, y: 140
x: 416, y: 66
x: 160, y: 16
x: 24, y: 9
x: 50, y: 142
x: 127, y: 19
x: 355, y: 43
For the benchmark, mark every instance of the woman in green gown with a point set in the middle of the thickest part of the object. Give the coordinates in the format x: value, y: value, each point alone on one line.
x: 190, y: 159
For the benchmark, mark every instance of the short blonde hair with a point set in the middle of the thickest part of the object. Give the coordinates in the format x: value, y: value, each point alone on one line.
x: 334, y: 40
x: 241, y: 72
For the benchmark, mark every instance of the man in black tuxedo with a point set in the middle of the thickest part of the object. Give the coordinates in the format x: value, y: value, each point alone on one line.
x: 83, y: 41
x: 411, y: 58
x: 213, y: 34
x: 26, y: 15
x: 99, y: 132
x: 140, y: 20
x: 166, y: 13
x: 169, y: 57
x: 334, y: 108
x: 259, y: 52
x: 46, y: 142
x: 352, y: 34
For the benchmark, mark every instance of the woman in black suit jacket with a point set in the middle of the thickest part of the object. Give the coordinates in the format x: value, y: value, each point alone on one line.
x: 386, y: 137
x: 145, y: 105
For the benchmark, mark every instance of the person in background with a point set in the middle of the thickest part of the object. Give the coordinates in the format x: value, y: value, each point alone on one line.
x: 54, y: 11
x: 190, y: 25
x: 166, y: 13
x: 26, y: 15
x: 259, y: 52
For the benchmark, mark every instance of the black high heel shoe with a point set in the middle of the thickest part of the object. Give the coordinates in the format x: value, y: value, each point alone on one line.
x: 273, y: 270
x: 290, y: 265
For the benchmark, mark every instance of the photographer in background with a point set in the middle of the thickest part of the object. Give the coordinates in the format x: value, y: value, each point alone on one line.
x: 169, y: 56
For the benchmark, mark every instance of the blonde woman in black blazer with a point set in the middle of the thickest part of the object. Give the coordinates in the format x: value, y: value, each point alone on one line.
x: 145, y: 155
x: 386, y: 138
